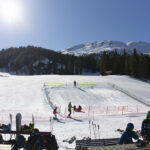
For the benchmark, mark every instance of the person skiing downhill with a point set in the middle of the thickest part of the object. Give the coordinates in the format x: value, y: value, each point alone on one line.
x: 145, y: 129
x: 127, y: 135
x: 69, y: 109
x: 55, y: 113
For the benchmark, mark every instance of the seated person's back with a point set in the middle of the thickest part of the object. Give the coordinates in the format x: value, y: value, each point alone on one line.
x: 128, y: 134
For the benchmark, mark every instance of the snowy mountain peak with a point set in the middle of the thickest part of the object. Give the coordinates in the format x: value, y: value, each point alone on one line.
x: 98, y: 47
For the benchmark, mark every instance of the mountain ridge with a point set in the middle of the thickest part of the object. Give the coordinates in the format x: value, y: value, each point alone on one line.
x: 107, y: 45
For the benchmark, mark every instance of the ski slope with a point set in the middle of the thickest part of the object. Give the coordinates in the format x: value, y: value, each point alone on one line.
x: 36, y: 95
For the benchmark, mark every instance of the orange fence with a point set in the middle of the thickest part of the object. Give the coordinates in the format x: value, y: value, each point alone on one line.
x: 93, y: 111
x: 88, y: 112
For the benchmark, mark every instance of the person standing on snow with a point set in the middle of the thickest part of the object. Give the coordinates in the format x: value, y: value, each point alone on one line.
x: 69, y: 109
x: 55, y: 113
x: 127, y: 135
x: 75, y: 83
x: 145, y: 129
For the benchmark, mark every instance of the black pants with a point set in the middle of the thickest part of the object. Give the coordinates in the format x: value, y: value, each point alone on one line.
x: 69, y: 113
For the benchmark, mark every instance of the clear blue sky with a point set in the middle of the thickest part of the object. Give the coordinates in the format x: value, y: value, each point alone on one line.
x: 58, y: 24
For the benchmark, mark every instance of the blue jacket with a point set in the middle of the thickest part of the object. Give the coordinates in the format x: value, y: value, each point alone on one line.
x: 127, y: 136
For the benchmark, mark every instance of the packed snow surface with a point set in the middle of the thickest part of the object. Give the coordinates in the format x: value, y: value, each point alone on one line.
x: 102, y: 103
x: 98, y: 47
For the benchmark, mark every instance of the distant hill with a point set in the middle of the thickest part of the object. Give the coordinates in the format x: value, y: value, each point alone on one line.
x: 99, y: 47
x: 36, y: 60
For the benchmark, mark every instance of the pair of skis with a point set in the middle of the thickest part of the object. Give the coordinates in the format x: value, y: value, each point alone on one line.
x: 70, y: 118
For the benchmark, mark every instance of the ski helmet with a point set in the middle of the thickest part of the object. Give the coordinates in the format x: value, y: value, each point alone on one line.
x: 148, y: 113
x: 130, y: 125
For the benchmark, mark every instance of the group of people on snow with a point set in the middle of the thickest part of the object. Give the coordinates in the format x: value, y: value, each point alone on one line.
x: 55, y: 110
x: 70, y: 107
x: 129, y: 134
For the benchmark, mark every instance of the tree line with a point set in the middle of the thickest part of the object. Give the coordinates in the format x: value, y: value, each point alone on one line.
x: 32, y: 60
x: 135, y: 65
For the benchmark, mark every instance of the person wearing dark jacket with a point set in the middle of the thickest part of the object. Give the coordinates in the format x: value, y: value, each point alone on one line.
x: 128, y: 134
x: 145, y: 129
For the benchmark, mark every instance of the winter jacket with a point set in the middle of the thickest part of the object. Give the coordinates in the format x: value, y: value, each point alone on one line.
x: 145, y: 129
x: 127, y: 136
x: 69, y: 106
x: 55, y: 111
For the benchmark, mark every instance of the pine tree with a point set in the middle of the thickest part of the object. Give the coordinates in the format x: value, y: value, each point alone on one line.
x: 134, y: 64
x: 104, y: 63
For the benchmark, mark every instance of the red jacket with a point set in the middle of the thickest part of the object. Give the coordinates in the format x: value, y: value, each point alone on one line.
x: 55, y: 111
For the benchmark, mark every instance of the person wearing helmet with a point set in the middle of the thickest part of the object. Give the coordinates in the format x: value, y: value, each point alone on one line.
x: 128, y: 134
x: 145, y: 129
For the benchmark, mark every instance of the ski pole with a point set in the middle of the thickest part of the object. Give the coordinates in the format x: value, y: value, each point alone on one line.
x: 52, y: 126
x: 10, y: 115
x: 99, y: 131
x: 95, y: 131
x: 90, y: 128
x: 93, y: 115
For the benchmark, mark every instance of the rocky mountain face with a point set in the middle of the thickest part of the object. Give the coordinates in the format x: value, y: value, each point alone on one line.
x: 99, y: 47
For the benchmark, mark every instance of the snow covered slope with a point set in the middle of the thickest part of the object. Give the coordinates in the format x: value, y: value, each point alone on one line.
x: 98, y: 47
x: 25, y: 94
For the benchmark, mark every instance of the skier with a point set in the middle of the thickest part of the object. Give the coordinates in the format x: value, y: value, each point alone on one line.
x: 75, y: 83
x: 69, y: 109
x: 145, y: 131
x: 55, y: 113
x: 127, y: 135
